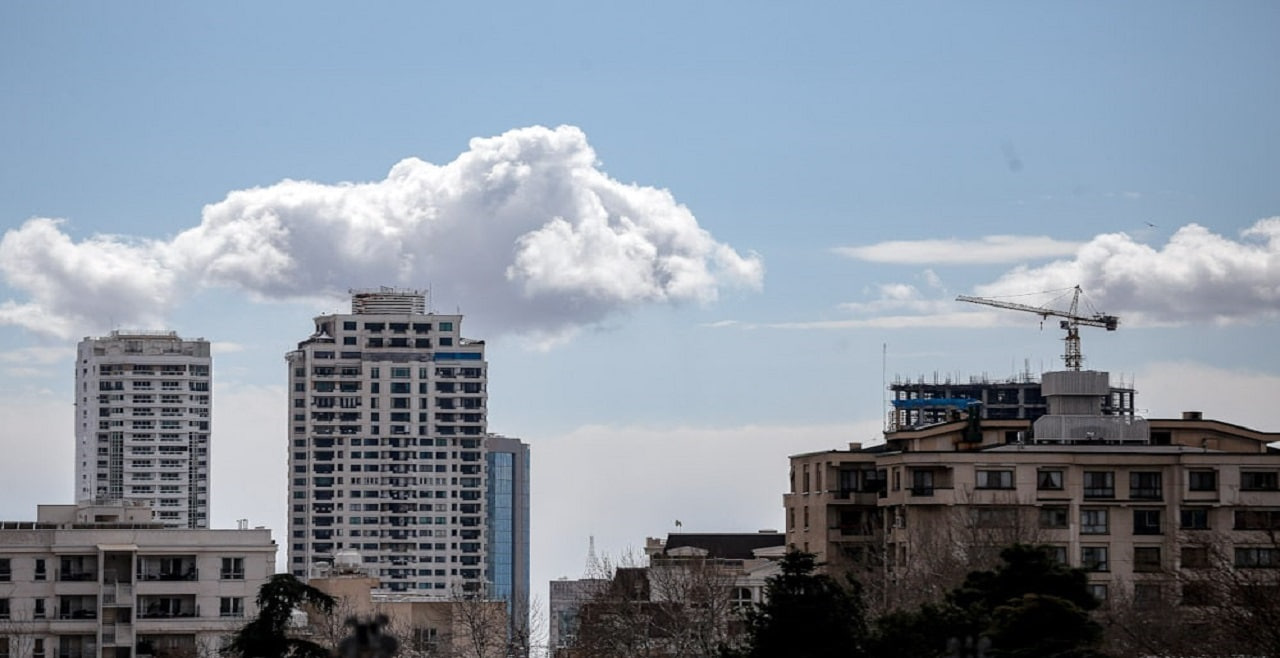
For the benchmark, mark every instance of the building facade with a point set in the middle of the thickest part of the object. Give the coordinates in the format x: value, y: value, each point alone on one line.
x: 507, y: 498
x: 85, y: 581
x: 918, y: 402
x: 1140, y: 504
x: 387, y: 424
x: 143, y: 407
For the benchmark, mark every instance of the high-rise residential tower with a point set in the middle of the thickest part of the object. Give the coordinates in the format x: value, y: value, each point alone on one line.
x: 142, y: 423
x: 387, y: 421
x: 507, y: 496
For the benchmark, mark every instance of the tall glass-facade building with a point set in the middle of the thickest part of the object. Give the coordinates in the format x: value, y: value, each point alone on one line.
x: 507, y: 498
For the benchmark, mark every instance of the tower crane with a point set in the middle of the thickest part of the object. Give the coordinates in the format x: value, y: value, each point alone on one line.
x: 1071, y: 322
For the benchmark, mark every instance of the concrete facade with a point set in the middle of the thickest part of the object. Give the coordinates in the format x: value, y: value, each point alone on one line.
x: 1136, y: 502
x: 387, y: 422
x: 88, y: 581
x: 143, y: 407
x: 424, y: 626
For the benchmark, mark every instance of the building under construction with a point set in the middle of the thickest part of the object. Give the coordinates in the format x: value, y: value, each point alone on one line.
x: 920, y: 403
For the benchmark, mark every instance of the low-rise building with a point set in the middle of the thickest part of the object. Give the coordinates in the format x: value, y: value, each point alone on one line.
x: 107, y: 580
x: 464, y: 625
x: 1140, y: 504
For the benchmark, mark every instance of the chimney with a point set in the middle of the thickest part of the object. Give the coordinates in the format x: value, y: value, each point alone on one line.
x: 1192, y: 415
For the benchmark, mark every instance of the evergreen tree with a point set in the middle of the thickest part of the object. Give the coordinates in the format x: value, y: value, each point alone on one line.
x: 1028, y: 606
x: 267, y: 636
x: 806, y: 615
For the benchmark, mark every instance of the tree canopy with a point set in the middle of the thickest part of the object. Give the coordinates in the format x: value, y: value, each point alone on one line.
x: 267, y: 636
x: 806, y: 615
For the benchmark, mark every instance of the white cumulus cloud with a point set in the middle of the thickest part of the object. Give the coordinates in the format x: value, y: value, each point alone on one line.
x: 524, y: 229
x: 1196, y: 276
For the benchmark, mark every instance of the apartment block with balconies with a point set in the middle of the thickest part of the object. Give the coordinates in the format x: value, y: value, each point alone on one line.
x: 143, y: 407
x: 1140, y: 504
x: 85, y: 581
x: 387, y: 425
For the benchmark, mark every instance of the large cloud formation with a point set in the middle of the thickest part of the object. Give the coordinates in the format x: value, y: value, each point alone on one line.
x: 1197, y: 276
x: 523, y: 228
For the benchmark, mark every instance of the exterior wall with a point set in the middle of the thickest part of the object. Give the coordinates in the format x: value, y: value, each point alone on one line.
x: 564, y: 602
x: 143, y: 402
x: 120, y: 591
x: 422, y: 626
x: 1161, y: 499
x: 387, y: 419
x: 508, y: 522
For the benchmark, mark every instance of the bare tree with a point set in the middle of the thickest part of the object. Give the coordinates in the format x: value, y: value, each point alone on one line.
x: 678, y: 607
x: 479, y: 624
x: 528, y: 628
x: 931, y: 550
x: 19, y: 633
x: 706, y: 618
x: 1223, y: 600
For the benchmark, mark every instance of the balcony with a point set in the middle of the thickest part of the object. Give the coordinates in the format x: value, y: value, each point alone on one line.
x: 168, y: 607
x: 168, y: 569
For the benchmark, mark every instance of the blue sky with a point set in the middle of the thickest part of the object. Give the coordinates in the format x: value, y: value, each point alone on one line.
x: 834, y: 174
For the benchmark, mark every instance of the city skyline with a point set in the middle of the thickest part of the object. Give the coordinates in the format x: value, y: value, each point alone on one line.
x: 719, y: 230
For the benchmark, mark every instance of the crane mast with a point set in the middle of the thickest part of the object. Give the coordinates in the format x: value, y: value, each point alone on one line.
x: 1071, y: 322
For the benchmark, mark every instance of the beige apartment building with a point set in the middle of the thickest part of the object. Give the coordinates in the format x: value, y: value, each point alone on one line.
x: 462, y: 625
x: 84, y: 581
x: 1140, y: 504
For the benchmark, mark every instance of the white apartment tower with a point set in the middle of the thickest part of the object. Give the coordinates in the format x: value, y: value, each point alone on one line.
x: 387, y: 420
x: 142, y: 423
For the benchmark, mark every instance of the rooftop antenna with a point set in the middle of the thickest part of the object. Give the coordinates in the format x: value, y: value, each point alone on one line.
x: 593, y: 562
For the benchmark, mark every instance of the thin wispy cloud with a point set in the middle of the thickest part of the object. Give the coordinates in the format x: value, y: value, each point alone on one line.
x: 524, y: 226
x: 992, y: 249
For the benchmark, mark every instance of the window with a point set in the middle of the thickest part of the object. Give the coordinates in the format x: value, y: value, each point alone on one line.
x: 1258, y: 481
x: 1257, y: 557
x: 1057, y: 554
x: 6, y: 574
x: 1146, y: 522
x: 1197, y: 593
x: 4, y: 608
x: 1099, y: 484
x: 1098, y: 592
x: 1049, y: 480
x: 37, y: 648
x: 40, y: 569
x: 1195, y: 557
x: 1094, y: 558
x: 1093, y: 522
x: 922, y: 483
x: 1053, y: 517
x: 446, y: 326
x: 1146, y: 559
x: 231, y: 606
x: 1202, y: 480
x: 995, y: 517
x: 1146, y: 595
x: 1257, y: 519
x: 232, y: 568
x: 1195, y: 518
x: 39, y: 612
x: 1145, y: 485
x: 995, y: 479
